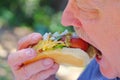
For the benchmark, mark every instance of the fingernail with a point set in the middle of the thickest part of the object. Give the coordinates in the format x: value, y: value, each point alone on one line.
x: 30, y: 53
x: 47, y: 62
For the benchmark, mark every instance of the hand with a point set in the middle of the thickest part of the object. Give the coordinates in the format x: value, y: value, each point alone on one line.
x: 40, y: 70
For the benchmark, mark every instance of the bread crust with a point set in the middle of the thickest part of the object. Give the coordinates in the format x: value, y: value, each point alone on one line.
x: 65, y: 56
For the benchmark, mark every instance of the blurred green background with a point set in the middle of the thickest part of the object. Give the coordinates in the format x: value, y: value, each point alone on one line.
x: 38, y: 15
x: 19, y: 18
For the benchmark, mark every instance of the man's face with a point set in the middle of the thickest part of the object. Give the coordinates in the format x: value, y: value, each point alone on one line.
x: 98, y: 22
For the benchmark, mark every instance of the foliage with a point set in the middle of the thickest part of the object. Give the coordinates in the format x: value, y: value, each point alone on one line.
x: 39, y: 15
x: 5, y: 72
x: 56, y: 23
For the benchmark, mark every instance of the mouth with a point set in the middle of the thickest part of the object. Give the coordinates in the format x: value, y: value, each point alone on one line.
x: 94, y: 53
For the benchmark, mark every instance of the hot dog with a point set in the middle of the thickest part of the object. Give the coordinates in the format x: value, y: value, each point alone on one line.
x: 64, y: 48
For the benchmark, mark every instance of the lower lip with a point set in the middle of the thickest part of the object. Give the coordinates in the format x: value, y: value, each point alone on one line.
x: 98, y: 59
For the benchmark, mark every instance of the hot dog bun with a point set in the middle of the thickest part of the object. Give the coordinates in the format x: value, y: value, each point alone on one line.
x: 67, y: 56
x: 63, y: 48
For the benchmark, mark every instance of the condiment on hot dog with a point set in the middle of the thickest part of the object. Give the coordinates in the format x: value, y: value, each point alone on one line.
x: 63, y: 48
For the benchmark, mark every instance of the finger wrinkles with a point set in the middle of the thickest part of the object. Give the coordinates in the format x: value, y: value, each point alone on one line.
x: 29, y: 40
x: 34, y: 68
x: 22, y: 74
x: 45, y: 73
x: 21, y: 42
x: 26, y: 73
x: 16, y: 60
x: 10, y: 60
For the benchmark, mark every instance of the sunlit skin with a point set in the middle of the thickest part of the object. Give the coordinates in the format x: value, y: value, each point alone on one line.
x: 95, y: 21
x: 44, y: 69
x: 98, y: 22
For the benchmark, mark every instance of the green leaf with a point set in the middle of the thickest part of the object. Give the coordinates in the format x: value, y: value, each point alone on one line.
x: 59, y: 46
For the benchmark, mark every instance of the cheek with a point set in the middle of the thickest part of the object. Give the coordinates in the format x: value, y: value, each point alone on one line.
x: 112, y: 58
x: 106, y: 39
x: 107, y: 69
x: 108, y: 65
x: 104, y: 35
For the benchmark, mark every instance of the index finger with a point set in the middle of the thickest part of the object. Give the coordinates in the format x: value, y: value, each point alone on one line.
x: 29, y: 40
x: 16, y: 59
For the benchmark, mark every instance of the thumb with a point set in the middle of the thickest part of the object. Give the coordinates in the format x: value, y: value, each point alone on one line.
x: 16, y: 60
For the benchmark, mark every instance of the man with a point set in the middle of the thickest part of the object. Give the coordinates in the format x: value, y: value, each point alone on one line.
x: 95, y: 21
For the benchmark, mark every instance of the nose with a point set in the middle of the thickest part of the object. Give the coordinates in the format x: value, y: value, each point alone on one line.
x: 67, y: 18
x: 68, y: 15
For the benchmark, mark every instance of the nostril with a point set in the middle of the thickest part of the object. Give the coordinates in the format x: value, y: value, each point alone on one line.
x: 76, y: 23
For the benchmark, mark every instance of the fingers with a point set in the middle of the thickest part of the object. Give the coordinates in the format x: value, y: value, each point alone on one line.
x: 52, y: 77
x: 46, y: 73
x: 31, y: 39
x: 37, y: 67
x: 16, y: 60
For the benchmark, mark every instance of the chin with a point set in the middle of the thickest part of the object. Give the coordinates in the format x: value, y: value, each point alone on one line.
x: 105, y: 68
x: 108, y: 73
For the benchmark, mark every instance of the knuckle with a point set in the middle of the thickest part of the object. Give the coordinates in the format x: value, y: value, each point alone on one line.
x: 36, y: 35
x: 10, y: 59
x: 21, y: 40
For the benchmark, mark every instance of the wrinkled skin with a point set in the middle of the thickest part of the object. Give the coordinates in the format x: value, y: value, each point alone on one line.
x: 98, y: 22
x: 41, y: 70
